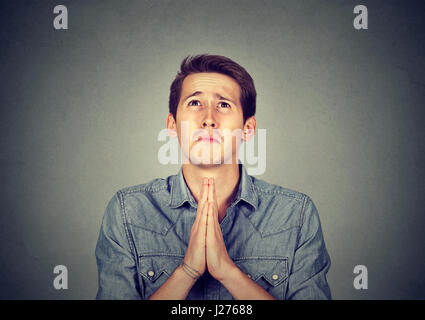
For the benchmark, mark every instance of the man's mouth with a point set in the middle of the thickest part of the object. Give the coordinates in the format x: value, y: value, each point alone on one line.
x: 208, y: 139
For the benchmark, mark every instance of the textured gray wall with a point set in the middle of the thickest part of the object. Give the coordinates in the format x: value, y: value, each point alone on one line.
x: 81, y: 110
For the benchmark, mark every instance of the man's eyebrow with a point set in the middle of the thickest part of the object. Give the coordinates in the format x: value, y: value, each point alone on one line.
x: 218, y: 96
x: 196, y: 93
x: 224, y: 98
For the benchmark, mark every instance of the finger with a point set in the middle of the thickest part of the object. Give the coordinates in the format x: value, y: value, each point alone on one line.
x: 211, y: 190
x: 203, y: 223
x: 213, y: 198
x: 213, y: 227
x: 203, y: 198
x: 204, y: 190
x: 210, y: 222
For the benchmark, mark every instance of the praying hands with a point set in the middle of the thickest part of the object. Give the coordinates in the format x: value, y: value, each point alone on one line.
x: 207, y: 250
x: 206, y: 247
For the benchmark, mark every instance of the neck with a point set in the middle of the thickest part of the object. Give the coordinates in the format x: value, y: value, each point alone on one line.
x: 226, y: 177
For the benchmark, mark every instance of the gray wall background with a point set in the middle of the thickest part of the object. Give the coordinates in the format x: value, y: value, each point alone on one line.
x: 81, y: 110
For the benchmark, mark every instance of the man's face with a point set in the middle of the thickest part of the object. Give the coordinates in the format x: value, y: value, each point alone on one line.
x: 209, y: 119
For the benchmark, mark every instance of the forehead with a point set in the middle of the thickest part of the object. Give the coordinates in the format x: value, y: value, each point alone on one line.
x: 209, y: 82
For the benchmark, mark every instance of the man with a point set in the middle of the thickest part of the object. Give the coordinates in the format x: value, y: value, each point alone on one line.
x: 211, y: 231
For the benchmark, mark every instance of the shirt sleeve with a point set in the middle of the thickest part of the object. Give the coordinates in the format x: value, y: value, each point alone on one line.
x: 307, y: 280
x: 117, y: 272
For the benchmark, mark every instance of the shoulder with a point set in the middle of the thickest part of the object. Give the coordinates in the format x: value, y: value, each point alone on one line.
x: 151, y: 187
x: 270, y: 190
x: 283, y: 208
x: 155, y: 190
x: 146, y: 205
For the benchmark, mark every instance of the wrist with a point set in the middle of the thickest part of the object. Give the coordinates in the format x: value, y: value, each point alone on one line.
x: 191, y: 272
x: 184, y: 276
x: 176, y: 287
x: 231, y: 271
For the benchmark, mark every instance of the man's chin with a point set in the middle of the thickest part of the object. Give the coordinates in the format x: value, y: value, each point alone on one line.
x: 202, y: 163
x: 207, y: 163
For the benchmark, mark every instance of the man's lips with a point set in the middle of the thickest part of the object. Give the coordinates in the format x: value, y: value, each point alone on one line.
x: 208, y: 139
x: 202, y: 135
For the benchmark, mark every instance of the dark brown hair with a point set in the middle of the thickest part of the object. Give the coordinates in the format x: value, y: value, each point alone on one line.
x: 218, y: 64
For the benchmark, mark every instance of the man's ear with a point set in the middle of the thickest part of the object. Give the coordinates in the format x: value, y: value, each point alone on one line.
x: 171, y: 126
x: 249, y: 128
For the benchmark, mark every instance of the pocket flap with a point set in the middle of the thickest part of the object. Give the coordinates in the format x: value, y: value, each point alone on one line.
x: 153, y: 265
x: 273, y: 269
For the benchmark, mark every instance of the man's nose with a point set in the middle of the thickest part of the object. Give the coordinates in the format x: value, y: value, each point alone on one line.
x: 209, y: 120
x: 209, y: 123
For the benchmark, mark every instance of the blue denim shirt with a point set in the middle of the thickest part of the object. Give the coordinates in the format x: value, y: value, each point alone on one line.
x: 273, y: 234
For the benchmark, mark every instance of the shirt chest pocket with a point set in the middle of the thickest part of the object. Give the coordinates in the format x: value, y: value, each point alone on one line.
x: 155, y: 269
x: 270, y: 273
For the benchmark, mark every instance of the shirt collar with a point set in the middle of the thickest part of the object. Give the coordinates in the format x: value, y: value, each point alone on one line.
x: 180, y: 193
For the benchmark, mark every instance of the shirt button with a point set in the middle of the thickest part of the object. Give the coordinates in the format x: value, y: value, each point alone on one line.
x: 249, y: 276
x: 275, y: 277
x: 151, y: 273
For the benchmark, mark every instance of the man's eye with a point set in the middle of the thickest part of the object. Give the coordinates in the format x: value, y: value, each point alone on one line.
x: 224, y: 105
x: 195, y: 103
